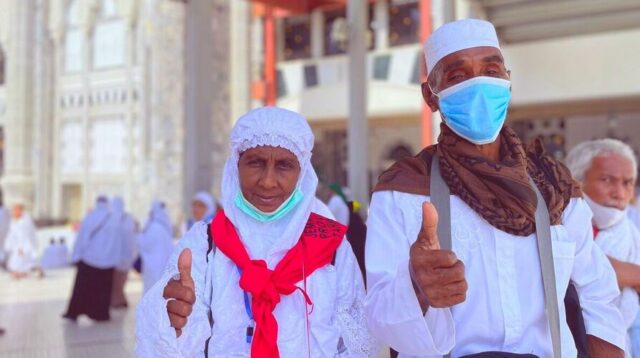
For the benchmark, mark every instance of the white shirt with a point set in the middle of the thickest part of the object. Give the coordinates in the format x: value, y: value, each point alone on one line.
x: 504, y: 308
x: 622, y: 242
x: 339, y: 209
x: 337, y: 325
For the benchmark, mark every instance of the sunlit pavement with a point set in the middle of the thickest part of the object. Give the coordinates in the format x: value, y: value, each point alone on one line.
x: 30, y: 311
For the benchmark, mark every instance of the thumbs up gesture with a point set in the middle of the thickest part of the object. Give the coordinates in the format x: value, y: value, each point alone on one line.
x: 181, y: 293
x: 437, y: 275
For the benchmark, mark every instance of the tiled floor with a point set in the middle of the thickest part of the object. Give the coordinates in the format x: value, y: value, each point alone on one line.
x: 30, y: 312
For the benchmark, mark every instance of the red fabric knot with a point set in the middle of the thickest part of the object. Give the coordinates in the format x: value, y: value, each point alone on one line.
x: 256, y: 279
x: 316, y: 248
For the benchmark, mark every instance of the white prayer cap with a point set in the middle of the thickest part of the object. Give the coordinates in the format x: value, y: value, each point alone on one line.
x: 456, y: 36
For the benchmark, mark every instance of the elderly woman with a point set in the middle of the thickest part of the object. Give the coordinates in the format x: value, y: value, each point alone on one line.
x: 271, y: 275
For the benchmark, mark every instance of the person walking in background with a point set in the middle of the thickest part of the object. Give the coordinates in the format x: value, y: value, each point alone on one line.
x: 96, y: 253
x: 607, y: 170
x: 203, y: 208
x: 21, y: 244
x: 155, y: 244
x: 338, y: 204
x: 128, y: 252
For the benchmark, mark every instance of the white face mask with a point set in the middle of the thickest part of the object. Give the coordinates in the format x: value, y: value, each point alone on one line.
x: 604, y: 217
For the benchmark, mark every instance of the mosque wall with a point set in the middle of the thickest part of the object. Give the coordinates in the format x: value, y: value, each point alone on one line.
x: 104, y: 92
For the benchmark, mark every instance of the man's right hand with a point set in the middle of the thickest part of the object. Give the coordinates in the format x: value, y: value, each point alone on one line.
x: 181, y: 293
x: 437, y: 275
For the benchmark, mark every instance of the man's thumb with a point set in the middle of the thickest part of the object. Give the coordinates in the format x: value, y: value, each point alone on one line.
x: 184, y: 267
x: 429, y: 231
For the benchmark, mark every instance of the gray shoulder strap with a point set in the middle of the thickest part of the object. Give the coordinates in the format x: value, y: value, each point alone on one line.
x: 441, y: 196
x: 545, y: 253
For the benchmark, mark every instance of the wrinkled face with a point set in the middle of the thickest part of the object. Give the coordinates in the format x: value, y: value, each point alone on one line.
x: 610, y: 181
x: 198, y: 210
x: 268, y: 176
x: 16, y: 211
x: 463, y: 65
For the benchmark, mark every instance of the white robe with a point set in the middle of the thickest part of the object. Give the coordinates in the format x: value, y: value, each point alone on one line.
x: 55, y: 256
x: 22, y: 245
x: 339, y: 209
x: 337, y: 326
x: 155, y: 244
x: 129, y: 249
x: 622, y: 242
x: 504, y: 307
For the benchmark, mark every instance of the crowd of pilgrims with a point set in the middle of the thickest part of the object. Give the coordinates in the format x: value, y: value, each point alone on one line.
x: 110, y: 243
x: 478, y: 246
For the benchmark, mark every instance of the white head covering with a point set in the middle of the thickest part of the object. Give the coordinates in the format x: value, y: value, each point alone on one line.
x: 95, y: 217
x: 277, y: 127
x: 159, y: 215
x: 456, y: 36
x: 208, y: 201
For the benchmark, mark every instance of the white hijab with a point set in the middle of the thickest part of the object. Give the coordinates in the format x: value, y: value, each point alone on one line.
x: 159, y: 216
x: 277, y: 127
x: 96, y: 218
x: 208, y: 202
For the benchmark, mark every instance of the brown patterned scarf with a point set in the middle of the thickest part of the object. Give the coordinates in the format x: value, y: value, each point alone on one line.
x: 498, y: 191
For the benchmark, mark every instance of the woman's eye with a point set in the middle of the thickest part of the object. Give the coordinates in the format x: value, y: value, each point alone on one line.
x: 285, y: 165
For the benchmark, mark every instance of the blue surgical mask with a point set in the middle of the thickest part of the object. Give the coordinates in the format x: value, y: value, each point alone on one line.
x: 243, y: 204
x: 476, y: 108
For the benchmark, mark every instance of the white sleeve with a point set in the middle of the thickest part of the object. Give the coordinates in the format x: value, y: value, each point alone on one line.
x: 154, y: 335
x: 392, y: 308
x: 594, y: 278
x: 358, y: 341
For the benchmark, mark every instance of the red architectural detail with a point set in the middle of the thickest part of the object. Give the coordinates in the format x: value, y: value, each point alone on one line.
x: 425, y: 31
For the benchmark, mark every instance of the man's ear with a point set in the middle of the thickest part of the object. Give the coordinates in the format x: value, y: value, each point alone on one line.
x: 429, y: 98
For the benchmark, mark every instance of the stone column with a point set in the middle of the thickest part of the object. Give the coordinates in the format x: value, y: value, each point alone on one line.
x: 208, y: 102
x: 167, y: 86
x: 129, y: 12
x: 18, y: 181
x: 221, y: 23
x: 56, y: 30
x: 88, y: 11
x: 43, y: 113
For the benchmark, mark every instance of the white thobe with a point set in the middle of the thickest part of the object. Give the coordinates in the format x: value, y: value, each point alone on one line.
x: 504, y: 308
x: 633, y: 212
x: 339, y: 209
x: 337, y: 325
x: 622, y: 242
x: 21, y: 245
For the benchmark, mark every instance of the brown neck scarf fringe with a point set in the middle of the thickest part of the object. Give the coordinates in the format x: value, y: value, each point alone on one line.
x: 498, y: 191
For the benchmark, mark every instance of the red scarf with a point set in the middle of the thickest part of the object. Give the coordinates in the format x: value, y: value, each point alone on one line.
x: 316, y: 248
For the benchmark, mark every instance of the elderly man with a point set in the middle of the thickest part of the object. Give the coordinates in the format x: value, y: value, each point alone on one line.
x: 607, y: 169
x: 487, y: 294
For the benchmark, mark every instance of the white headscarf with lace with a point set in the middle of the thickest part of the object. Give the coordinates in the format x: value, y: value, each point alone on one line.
x: 276, y: 127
